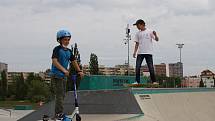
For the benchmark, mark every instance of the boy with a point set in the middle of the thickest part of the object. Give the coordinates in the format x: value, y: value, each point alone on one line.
x: 61, y: 57
x: 143, y: 43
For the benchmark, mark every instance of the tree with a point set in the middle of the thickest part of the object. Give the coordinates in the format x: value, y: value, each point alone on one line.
x: 21, y: 87
x: 72, y: 71
x: 38, y: 91
x: 11, y: 93
x: 33, y: 88
x: 178, y: 81
x: 201, y: 83
x: 30, y: 78
x: 93, y: 64
x: 214, y: 81
x: 169, y: 82
x: 3, y: 85
x: 161, y: 78
x: 76, y: 54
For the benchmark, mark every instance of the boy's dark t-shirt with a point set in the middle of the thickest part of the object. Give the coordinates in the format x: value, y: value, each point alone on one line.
x: 64, y: 56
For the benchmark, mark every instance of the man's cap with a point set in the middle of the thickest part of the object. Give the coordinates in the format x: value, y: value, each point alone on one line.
x: 140, y: 21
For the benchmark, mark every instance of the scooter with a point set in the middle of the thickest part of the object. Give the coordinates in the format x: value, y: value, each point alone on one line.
x: 75, y: 113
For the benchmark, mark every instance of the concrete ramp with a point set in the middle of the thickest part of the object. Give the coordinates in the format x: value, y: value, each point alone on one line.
x: 178, y: 104
x: 93, y: 102
x: 192, y: 106
x: 104, y: 102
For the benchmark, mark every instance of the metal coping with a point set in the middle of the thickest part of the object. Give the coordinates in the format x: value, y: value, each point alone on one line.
x: 169, y: 90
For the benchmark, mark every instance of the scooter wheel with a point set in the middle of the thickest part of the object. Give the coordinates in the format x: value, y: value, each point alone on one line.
x: 78, y: 117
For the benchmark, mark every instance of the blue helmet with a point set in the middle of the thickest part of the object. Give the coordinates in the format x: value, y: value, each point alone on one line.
x: 63, y: 33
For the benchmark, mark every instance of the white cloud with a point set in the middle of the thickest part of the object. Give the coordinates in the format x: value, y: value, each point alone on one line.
x: 186, y: 7
x: 29, y: 28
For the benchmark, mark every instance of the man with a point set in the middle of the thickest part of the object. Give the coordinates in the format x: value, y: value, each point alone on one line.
x: 143, y: 48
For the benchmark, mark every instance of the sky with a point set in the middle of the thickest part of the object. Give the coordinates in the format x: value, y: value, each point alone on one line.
x: 28, y: 31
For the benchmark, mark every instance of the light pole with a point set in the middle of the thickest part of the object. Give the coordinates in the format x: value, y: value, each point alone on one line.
x: 127, y: 39
x: 180, y: 46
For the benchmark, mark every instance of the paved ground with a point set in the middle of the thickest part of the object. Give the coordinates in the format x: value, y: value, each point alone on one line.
x: 111, y: 117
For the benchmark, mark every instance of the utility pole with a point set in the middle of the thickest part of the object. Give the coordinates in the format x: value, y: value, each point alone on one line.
x: 127, y: 39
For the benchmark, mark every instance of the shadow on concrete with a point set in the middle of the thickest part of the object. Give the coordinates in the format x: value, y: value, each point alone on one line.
x: 93, y: 102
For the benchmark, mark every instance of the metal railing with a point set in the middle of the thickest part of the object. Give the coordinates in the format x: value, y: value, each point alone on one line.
x: 7, y: 110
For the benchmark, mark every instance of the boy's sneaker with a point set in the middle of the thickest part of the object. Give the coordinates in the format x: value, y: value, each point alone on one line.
x: 59, y: 116
x: 155, y: 83
x: 45, y: 117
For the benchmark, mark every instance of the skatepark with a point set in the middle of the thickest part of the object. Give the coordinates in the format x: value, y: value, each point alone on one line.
x: 106, y: 99
x: 140, y: 105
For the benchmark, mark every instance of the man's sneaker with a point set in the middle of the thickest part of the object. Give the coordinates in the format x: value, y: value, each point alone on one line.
x: 135, y: 83
x: 154, y: 85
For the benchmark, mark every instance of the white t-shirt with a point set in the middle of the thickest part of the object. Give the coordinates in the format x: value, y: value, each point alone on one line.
x: 144, y: 38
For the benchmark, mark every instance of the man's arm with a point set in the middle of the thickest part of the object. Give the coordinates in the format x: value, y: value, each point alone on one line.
x: 135, y: 49
x: 59, y: 66
x: 156, y: 37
